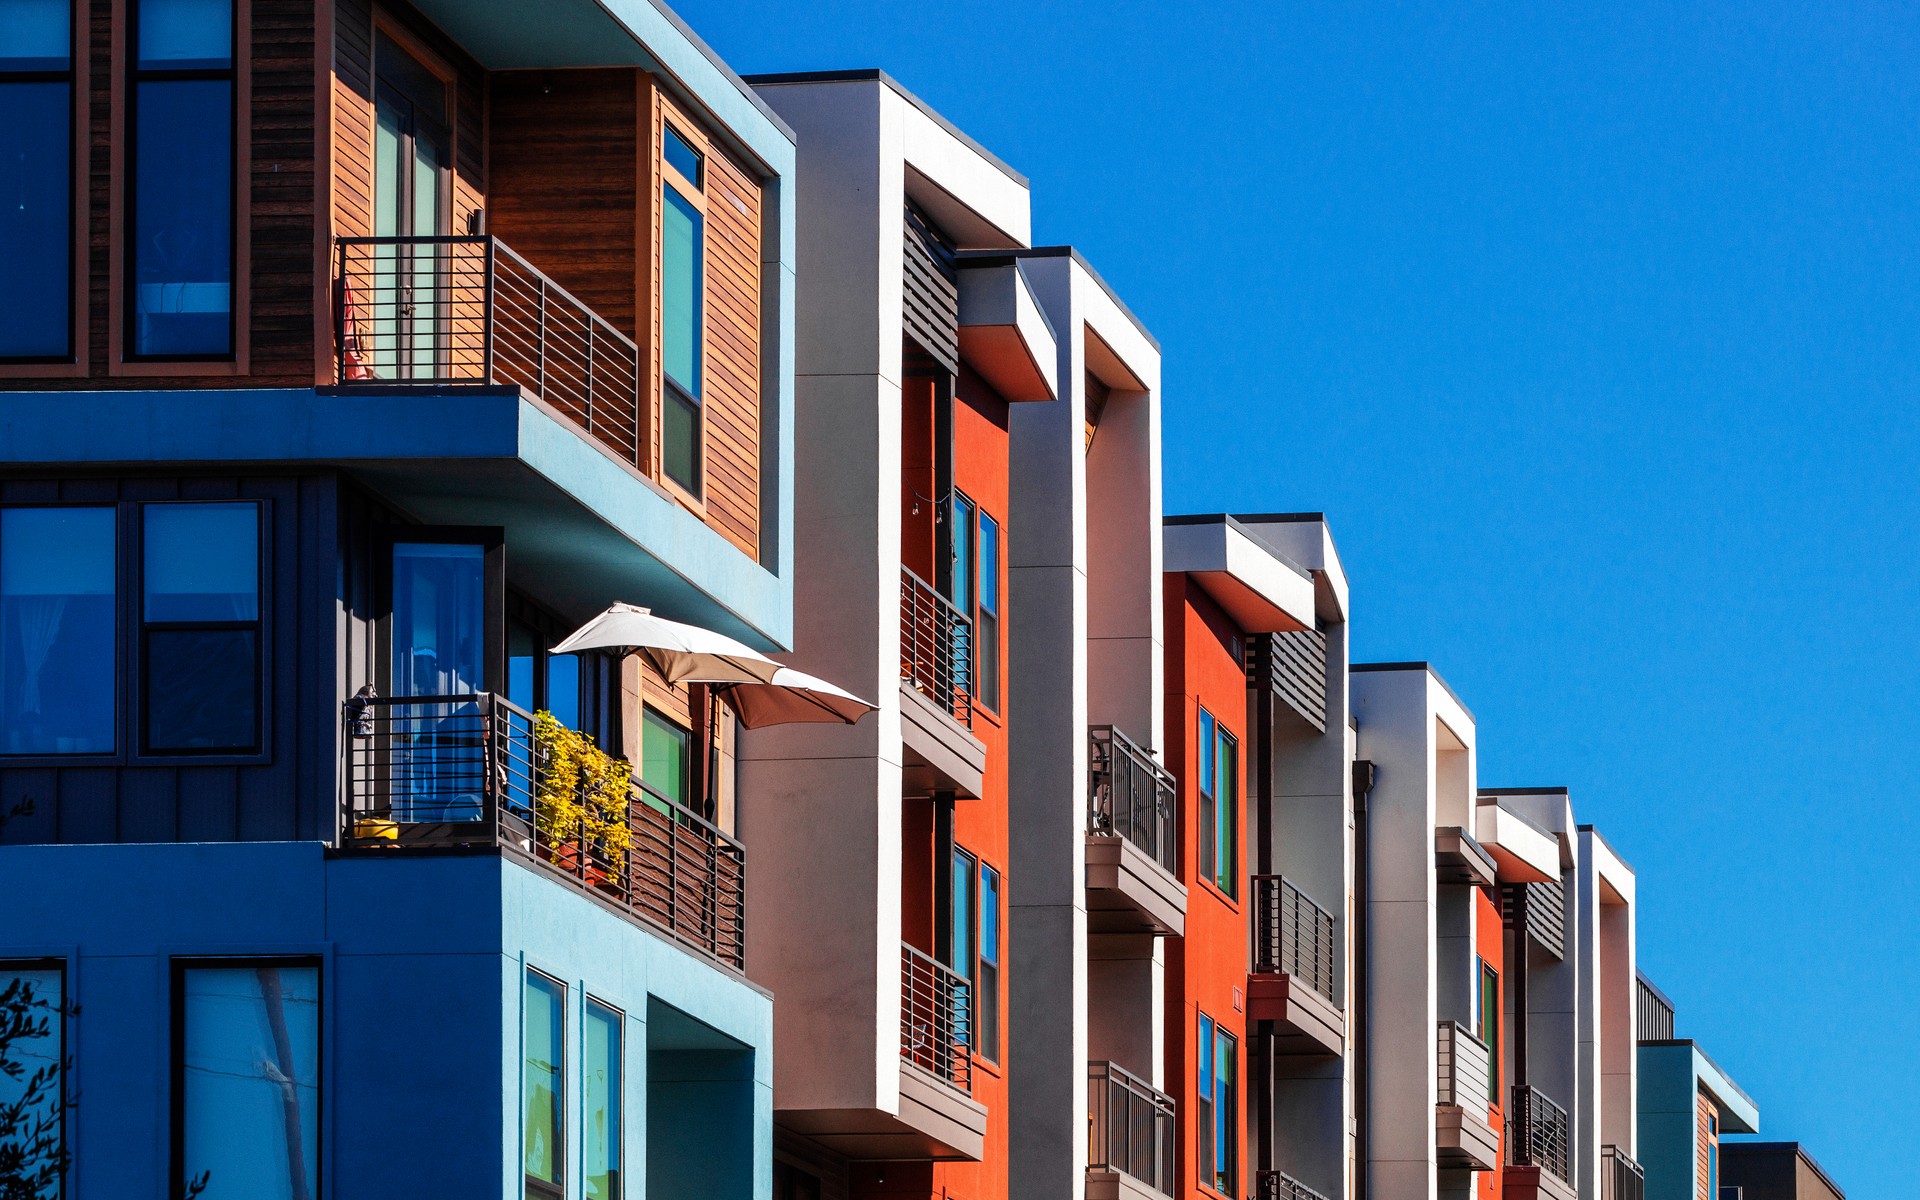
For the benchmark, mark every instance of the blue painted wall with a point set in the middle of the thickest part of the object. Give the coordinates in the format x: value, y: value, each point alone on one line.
x: 422, y: 960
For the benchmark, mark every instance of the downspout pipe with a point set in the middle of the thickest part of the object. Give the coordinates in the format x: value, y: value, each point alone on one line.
x: 1363, y: 781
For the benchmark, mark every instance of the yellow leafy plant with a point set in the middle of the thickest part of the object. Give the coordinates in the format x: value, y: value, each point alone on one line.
x: 580, y: 791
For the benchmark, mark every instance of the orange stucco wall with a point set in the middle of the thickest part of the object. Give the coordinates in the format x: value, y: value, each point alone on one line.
x: 1207, y: 968
x: 1489, y: 942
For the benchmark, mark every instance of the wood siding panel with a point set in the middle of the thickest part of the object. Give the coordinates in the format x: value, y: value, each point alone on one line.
x: 353, y: 119
x: 565, y: 157
x: 733, y: 315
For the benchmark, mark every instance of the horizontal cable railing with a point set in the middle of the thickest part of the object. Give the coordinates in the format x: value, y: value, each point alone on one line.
x: 1131, y: 795
x: 936, y: 1018
x: 440, y: 311
x: 936, y: 647
x: 1539, y: 1133
x: 1621, y: 1178
x: 1292, y: 935
x: 1465, y: 1074
x: 467, y: 772
x: 1278, y: 1185
x: 1129, y: 1126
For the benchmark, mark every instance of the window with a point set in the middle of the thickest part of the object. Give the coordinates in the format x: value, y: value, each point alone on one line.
x: 989, y: 984
x: 1219, y: 804
x: 411, y: 156
x: 539, y: 681
x: 543, y: 1084
x: 666, y: 763
x: 1218, y: 1120
x: 39, y: 1051
x: 180, y: 181
x: 200, y: 628
x: 57, y: 630
x: 682, y: 296
x: 36, y: 201
x: 960, y: 942
x: 1490, y: 1026
x: 987, y: 624
x: 601, y: 1080
x: 1713, y: 1155
x: 247, y: 1077
x: 439, y: 618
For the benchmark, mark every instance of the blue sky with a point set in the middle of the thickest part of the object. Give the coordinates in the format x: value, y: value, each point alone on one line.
x: 1593, y: 332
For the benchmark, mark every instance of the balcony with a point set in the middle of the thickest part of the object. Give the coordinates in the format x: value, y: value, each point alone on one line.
x: 936, y: 693
x: 1539, y: 1147
x: 1130, y: 1134
x: 467, y: 773
x: 440, y: 312
x: 1296, y: 956
x: 1465, y: 1134
x: 1278, y: 1185
x: 936, y: 1076
x: 1133, y: 883
x: 1621, y: 1178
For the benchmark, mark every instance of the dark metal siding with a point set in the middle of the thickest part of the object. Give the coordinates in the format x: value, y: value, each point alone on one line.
x: 1654, y: 1015
x: 1294, y: 665
x: 1541, y: 909
x: 930, y: 292
x: 284, y: 794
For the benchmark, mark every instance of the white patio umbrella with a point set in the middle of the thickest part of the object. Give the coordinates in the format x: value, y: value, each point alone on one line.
x: 682, y: 653
x: 791, y: 697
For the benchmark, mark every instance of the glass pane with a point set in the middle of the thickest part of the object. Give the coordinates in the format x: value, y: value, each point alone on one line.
x: 439, y: 619
x: 250, y: 1089
x: 183, y: 218
x: 186, y: 34
x: 989, y: 914
x: 680, y: 441
x: 989, y: 564
x: 36, y: 202
x: 542, y: 1076
x: 680, y: 285
x: 35, y: 35
x: 663, y: 757
x: 684, y: 158
x: 520, y: 666
x: 961, y: 959
x: 56, y: 630
x: 1206, y: 753
x: 1226, y: 802
x: 563, y: 689
x: 600, y: 1087
x: 201, y: 562
x: 201, y: 690
x: 36, y: 1050
x: 960, y: 522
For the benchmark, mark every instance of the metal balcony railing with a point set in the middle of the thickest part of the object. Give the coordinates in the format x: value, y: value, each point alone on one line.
x: 1129, y: 1126
x: 1621, y: 1178
x: 438, y: 311
x: 1294, y: 936
x: 936, y: 647
x: 465, y: 772
x: 1464, y: 1072
x: 1278, y: 1185
x: 1131, y: 796
x: 936, y: 1018
x: 1539, y: 1133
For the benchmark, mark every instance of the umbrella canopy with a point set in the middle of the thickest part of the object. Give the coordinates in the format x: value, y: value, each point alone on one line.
x: 680, y: 652
x: 791, y: 697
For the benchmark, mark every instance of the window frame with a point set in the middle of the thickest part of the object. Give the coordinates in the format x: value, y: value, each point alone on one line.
x: 139, y: 627
x: 1219, y: 752
x: 120, y: 674
x: 990, y: 882
x: 120, y: 281
x: 63, y: 1094
x: 177, y: 1045
x: 78, y: 77
x: 1489, y: 985
x: 1218, y: 1100
x: 493, y: 539
x: 669, y: 391
x: 562, y: 995
x: 616, y: 1018
x: 983, y: 519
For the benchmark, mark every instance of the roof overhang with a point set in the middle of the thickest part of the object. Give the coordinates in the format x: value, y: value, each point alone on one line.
x: 1525, y: 852
x: 1258, y: 587
x: 1003, y: 333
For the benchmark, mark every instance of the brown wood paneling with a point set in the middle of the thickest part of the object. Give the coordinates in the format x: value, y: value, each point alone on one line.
x: 353, y: 119
x: 733, y: 314
x: 564, y: 153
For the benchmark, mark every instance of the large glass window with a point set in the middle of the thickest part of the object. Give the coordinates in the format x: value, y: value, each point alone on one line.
x: 1217, y: 1120
x: 200, y: 628
x: 543, y: 1086
x: 247, y: 1078
x: 988, y: 986
x: 987, y: 623
x: 34, y: 1083
x: 960, y: 941
x: 412, y: 153
x: 1219, y: 804
x: 1490, y: 1026
x: 57, y: 627
x: 439, y: 618
x: 36, y: 180
x: 600, y: 1084
x: 682, y: 298
x: 180, y: 243
x: 665, y: 760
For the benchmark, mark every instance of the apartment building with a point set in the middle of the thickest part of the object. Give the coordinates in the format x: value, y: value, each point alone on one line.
x: 1687, y: 1105
x: 887, y: 943
x: 371, y: 349
x: 1773, y: 1171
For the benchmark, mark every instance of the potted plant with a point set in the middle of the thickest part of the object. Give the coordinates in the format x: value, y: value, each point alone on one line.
x: 579, y: 802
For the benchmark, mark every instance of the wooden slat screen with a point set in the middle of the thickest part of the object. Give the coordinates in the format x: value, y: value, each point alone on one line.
x: 733, y: 401
x: 930, y: 293
x: 1295, y: 668
x: 1540, y: 908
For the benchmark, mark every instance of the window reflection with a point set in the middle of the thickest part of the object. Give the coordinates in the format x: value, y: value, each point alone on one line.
x: 249, y: 1080
x: 543, y: 1078
x: 200, y: 569
x: 439, y: 619
x: 36, y: 179
x: 600, y: 1087
x: 57, y: 630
